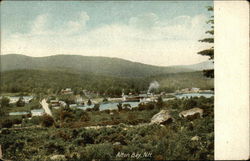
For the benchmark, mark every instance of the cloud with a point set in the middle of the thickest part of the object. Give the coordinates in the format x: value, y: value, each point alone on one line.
x: 144, y: 38
x: 144, y: 21
x: 39, y: 26
x: 77, y: 25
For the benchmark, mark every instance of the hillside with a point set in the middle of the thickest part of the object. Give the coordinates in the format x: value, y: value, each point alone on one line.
x: 37, y: 81
x: 95, y: 65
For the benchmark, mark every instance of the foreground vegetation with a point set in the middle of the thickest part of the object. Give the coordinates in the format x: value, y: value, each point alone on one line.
x: 66, y: 134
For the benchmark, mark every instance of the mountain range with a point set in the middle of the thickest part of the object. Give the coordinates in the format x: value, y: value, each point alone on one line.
x: 94, y: 65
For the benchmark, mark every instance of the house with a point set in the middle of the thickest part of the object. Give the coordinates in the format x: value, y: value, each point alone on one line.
x: 115, y: 99
x: 18, y: 113
x: 37, y: 112
x: 27, y: 99
x: 54, y: 103
x: 185, y: 90
x: 67, y: 91
x: 56, y: 107
x: 132, y: 98
x: 79, y: 100
x: 73, y: 105
x: 62, y: 103
x: 13, y: 99
x: 195, y: 89
x: 145, y: 100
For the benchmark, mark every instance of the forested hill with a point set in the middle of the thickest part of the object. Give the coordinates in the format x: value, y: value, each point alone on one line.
x: 37, y: 81
x: 95, y: 65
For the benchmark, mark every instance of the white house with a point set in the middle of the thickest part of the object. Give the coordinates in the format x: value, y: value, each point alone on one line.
x: 79, y: 99
x: 18, y: 113
x: 73, y: 105
x: 62, y: 103
x: 195, y: 89
x: 13, y: 99
x: 67, y: 91
x: 37, y: 112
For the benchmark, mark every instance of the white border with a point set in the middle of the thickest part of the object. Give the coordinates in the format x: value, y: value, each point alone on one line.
x: 231, y: 80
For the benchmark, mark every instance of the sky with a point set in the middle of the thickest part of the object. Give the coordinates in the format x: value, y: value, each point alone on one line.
x: 159, y: 33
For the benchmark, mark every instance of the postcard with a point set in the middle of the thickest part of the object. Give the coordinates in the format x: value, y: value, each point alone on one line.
x: 122, y: 80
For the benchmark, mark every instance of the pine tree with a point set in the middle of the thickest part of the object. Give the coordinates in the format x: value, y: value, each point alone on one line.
x: 209, y: 52
x: 89, y: 102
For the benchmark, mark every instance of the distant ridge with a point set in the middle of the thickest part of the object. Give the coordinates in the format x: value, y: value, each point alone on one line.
x: 91, y: 64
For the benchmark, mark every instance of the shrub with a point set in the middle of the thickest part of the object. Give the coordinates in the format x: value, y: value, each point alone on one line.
x: 159, y: 102
x: 17, y: 121
x: 36, y: 120
x: 66, y: 115
x: 85, y: 117
x: 7, y: 123
x: 96, y: 107
x: 107, y: 111
x: 89, y: 102
x: 148, y: 106
x: 98, y: 151
x: 52, y: 147
x: 126, y: 106
x: 119, y: 106
x: 20, y: 102
x: 47, y: 121
x: 131, y: 116
x: 4, y: 102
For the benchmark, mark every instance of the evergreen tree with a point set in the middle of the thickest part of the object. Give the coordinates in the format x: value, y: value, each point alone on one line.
x: 97, y: 107
x: 20, y: 102
x: 209, y: 52
x: 119, y: 106
x: 89, y: 102
x: 5, y: 102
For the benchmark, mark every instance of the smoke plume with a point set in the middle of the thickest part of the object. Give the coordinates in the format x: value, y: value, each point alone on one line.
x: 153, y: 85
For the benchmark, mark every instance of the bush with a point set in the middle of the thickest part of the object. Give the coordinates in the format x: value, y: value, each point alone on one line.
x: 85, y: 117
x: 47, y: 121
x: 81, y: 115
x: 20, y: 102
x: 148, y: 106
x: 159, y: 102
x: 65, y: 115
x: 52, y: 147
x: 17, y: 121
x: 119, y: 106
x: 36, y: 120
x: 98, y: 151
x: 7, y: 123
x: 89, y: 102
x: 96, y: 107
x: 4, y: 102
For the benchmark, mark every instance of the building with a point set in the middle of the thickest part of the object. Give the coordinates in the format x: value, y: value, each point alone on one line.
x: 79, y: 100
x: 54, y: 103
x: 67, y: 91
x: 26, y: 99
x: 195, y: 89
x: 132, y: 98
x: 37, y: 112
x: 73, y: 105
x: 62, y: 103
x: 13, y: 99
x: 18, y: 113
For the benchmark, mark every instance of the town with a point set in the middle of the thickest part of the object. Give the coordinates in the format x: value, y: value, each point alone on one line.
x: 84, y: 102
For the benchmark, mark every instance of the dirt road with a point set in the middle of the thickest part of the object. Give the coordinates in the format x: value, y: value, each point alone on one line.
x: 45, y: 106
